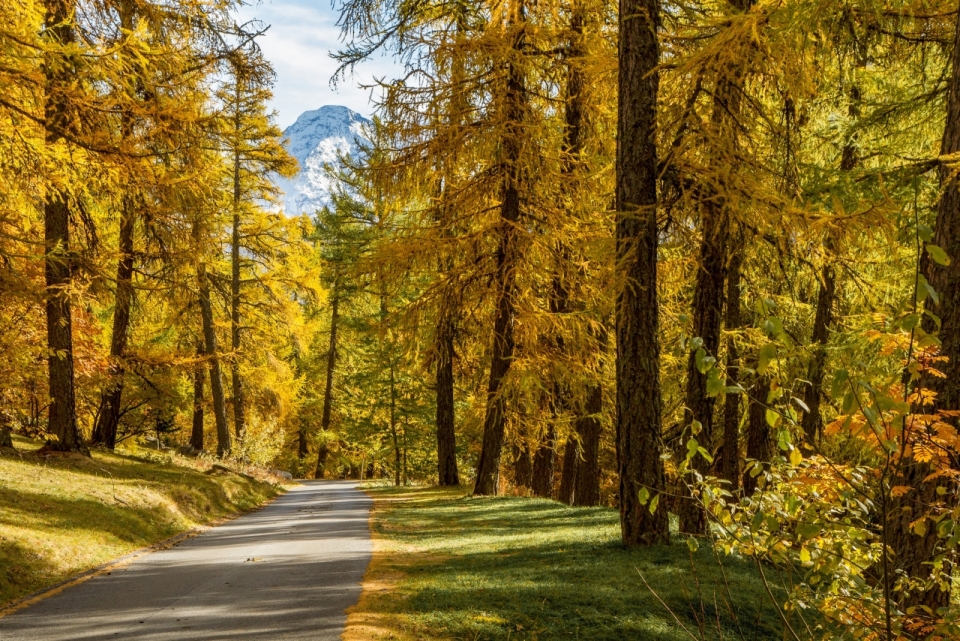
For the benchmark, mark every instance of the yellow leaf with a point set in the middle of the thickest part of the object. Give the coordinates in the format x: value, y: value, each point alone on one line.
x: 920, y: 527
x: 795, y: 457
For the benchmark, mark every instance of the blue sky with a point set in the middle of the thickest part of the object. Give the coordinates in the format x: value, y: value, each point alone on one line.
x: 301, y: 35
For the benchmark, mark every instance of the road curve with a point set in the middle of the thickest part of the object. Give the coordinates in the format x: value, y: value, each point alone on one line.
x: 287, y: 571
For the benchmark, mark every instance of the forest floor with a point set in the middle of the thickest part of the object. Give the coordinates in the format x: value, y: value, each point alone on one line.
x: 63, y: 514
x: 449, y: 566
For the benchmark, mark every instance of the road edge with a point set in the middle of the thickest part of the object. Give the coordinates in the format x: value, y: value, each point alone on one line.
x: 105, y: 568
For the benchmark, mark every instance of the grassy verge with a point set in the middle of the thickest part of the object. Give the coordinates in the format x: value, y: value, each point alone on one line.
x: 448, y: 566
x: 63, y: 514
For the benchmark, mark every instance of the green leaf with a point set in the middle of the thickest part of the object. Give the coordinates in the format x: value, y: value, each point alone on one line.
x: 654, y: 503
x: 783, y: 439
x: 839, y: 380
x: 696, y: 427
x: 773, y: 326
x: 715, y: 384
x: 847, y: 402
x: 643, y: 495
x: 692, y: 447
x: 920, y: 527
x: 910, y: 321
x: 693, y: 544
x: 938, y: 255
x: 698, y: 357
x: 808, y: 530
x: 925, y: 233
x: 772, y: 416
x: 767, y: 353
x: 924, y: 289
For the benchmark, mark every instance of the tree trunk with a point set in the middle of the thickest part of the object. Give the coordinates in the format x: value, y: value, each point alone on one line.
x: 574, y: 132
x: 731, y: 407
x: 6, y: 437
x: 812, y: 421
x: 62, y: 420
x: 913, y: 553
x: 216, y: 378
x: 393, y: 427
x: 322, y: 452
x: 494, y: 423
x: 239, y: 419
x: 196, y: 434
x: 639, y: 438
x: 108, y: 420
x: 108, y: 416
x: 707, y: 312
x: 405, y: 479
x: 587, y: 490
x: 448, y: 474
x: 544, y: 465
x: 523, y: 467
x: 708, y: 297
x: 568, y: 471
x: 328, y: 385
x: 759, y: 443
x: 302, y: 422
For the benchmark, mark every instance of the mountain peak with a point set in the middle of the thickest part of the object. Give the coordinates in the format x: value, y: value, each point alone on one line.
x: 318, y: 137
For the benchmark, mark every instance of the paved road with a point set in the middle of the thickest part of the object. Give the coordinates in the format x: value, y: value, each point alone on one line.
x: 285, y: 572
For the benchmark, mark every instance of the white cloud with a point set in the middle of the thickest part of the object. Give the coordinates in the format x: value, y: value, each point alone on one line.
x: 301, y: 36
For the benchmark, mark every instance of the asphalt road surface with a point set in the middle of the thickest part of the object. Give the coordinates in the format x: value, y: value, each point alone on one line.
x: 287, y: 571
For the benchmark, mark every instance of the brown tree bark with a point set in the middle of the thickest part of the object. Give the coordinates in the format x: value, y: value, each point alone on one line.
x: 108, y: 419
x: 239, y: 418
x: 544, y: 465
x: 730, y: 461
x: 708, y: 297
x: 58, y: 72
x: 522, y: 467
x: 639, y: 437
x: 328, y: 385
x: 447, y: 472
x: 588, y: 427
x: 707, y: 314
x: 224, y: 442
x: 568, y: 471
x: 759, y: 443
x: 196, y: 433
x: 494, y: 423
x: 913, y: 553
x: 393, y: 427
x: 574, y: 133
x: 6, y: 428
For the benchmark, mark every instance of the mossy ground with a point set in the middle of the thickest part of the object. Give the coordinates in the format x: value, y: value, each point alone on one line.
x: 449, y: 566
x: 63, y: 514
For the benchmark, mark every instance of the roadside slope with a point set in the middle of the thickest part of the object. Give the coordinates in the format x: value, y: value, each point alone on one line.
x: 64, y: 514
x: 285, y: 572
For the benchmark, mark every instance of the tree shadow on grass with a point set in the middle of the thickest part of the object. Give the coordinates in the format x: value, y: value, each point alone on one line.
x: 536, y: 569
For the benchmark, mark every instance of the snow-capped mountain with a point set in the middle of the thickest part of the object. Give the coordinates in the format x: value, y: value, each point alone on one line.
x: 316, y: 138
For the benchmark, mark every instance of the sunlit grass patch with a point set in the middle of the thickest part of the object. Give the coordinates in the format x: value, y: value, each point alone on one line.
x: 63, y: 514
x: 514, y: 568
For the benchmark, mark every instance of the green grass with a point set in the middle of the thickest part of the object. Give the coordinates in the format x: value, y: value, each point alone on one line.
x: 61, y: 515
x: 448, y: 566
